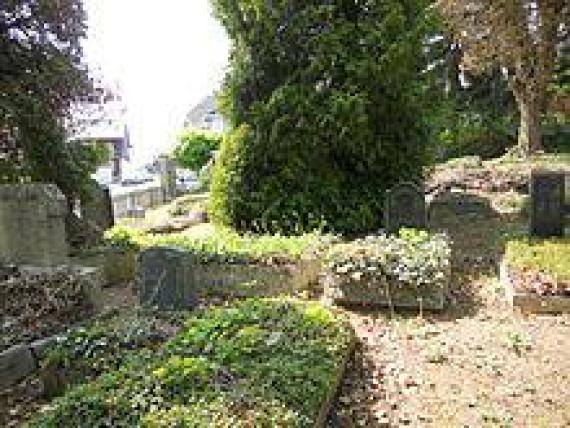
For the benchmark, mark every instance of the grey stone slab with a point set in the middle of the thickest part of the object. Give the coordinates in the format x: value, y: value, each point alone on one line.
x: 405, y: 207
x: 15, y: 364
x: 547, y: 210
x: 163, y: 279
x: 32, y: 224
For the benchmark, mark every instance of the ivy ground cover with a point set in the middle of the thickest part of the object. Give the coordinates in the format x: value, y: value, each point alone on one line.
x: 408, y: 270
x: 256, y: 363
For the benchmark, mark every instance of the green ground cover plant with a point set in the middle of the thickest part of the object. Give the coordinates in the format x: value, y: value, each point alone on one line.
x: 551, y: 256
x: 259, y: 363
x: 225, y: 245
x: 85, y: 352
x: 413, y: 258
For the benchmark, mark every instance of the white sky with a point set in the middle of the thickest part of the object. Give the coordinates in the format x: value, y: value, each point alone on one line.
x: 165, y: 56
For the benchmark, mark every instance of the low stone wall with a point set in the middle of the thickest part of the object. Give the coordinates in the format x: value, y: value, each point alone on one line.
x: 352, y: 292
x: 145, y: 196
x: 170, y: 277
x: 118, y: 266
x: 254, y: 280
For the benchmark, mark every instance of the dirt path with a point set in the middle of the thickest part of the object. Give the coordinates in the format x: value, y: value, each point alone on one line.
x: 476, y: 365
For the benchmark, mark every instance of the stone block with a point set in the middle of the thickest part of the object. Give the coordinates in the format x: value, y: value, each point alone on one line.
x: 547, y: 212
x: 15, y: 364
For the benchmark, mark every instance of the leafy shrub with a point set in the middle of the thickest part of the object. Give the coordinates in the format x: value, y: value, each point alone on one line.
x: 414, y: 259
x: 195, y: 148
x: 337, y: 121
x: 257, y: 363
x: 226, y: 245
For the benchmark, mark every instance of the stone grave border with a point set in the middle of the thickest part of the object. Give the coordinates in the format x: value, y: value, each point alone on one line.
x: 21, y: 360
x: 530, y: 302
x: 335, y: 384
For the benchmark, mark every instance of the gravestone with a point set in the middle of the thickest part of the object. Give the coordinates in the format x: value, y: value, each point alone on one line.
x: 547, y: 203
x: 164, y: 280
x: 405, y: 207
x: 167, y: 171
x: 98, y: 209
x: 32, y: 224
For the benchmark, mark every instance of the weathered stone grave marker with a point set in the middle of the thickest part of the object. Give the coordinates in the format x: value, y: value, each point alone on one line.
x: 405, y: 206
x: 164, y: 280
x: 32, y: 224
x: 547, y: 211
x: 99, y: 208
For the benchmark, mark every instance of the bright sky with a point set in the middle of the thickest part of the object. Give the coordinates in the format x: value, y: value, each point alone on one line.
x: 165, y: 55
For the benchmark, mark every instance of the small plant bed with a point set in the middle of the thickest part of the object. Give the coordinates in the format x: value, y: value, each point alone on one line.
x: 83, y: 353
x: 536, y: 274
x: 411, y: 270
x: 225, y: 245
x: 256, y: 363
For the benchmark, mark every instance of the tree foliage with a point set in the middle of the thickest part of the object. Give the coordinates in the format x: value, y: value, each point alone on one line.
x: 325, y: 101
x: 521, y: 37
x: 195, y: 148
x: 40, y: 74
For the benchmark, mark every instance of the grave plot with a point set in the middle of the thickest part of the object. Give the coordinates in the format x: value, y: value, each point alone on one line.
x: 409, y: 270
x: 536, y: 274
x: 255, y: 363
x: 221, y: 262
x: 535, y: 270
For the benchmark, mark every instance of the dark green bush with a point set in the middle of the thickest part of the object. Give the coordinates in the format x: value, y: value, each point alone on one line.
x: 325, y: 100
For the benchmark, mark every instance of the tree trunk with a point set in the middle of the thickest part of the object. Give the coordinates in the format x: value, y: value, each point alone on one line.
x: 530, y: 140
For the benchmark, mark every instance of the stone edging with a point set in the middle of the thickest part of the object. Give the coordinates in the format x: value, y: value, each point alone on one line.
x: 20, y: 361
x: 327, y: 404
x: 529, y: 302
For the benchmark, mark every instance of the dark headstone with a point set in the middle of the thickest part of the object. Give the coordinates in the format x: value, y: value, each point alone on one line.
x: 15, y: 364
x: 405, y: 207
x: 164, y: 280
x: 98, y: 208
x: 547, y: 204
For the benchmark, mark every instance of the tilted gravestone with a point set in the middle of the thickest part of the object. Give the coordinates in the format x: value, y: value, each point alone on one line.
x: 98, y: 209
x: 163, y: 279
x: 547, y: 211
x: 405, y: 207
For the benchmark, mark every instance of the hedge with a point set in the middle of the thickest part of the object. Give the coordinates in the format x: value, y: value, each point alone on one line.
x: 258, y: 363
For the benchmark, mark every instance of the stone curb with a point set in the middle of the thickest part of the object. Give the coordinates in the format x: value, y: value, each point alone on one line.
x: 529, y: 302
x: 327, y: 404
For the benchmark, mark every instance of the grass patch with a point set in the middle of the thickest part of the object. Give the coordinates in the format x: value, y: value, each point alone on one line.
x: 223, y: 244
x: 258, y: 363
x: 551, y: 256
